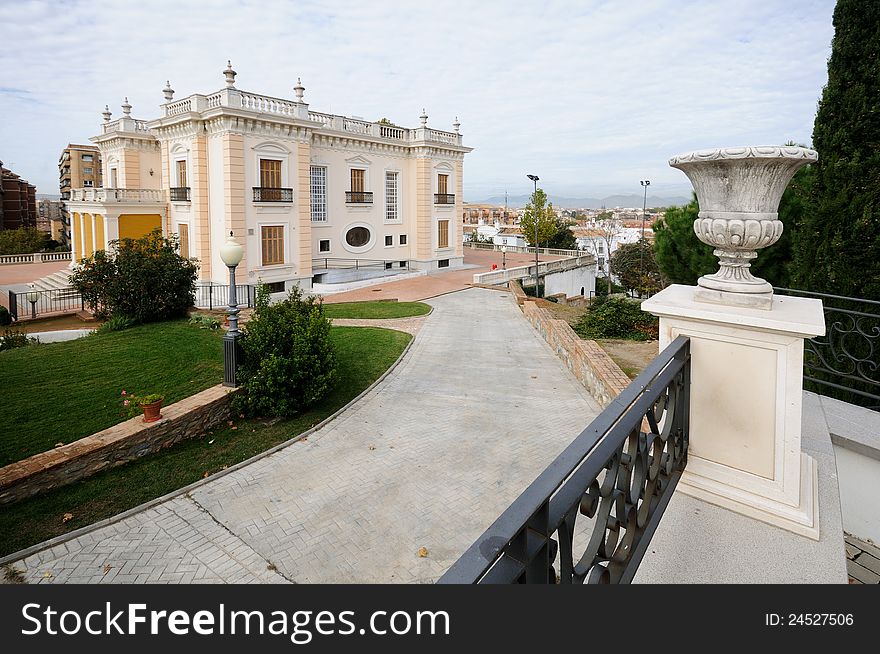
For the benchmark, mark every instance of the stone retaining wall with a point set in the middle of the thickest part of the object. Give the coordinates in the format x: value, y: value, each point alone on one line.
x: 192, y: 416
x: 589, y: 362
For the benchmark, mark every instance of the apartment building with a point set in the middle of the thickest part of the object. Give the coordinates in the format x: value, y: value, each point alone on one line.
x: 298, y: 188
x: 18, y: 201
x: 79, y: 166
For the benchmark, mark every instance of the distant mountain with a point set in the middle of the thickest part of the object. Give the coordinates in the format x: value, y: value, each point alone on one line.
x: 634, y: 200
x: 48, y: 196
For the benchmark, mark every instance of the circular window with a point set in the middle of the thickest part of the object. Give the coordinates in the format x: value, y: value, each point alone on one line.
x: 357, y: 237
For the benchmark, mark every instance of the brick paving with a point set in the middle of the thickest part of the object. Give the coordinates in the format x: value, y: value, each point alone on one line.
x: 862, y: 561
x: 439, y: 282
x: 428, y: 458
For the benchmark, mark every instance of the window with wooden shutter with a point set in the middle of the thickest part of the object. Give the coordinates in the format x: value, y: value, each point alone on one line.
x: 270, y: 180
x: 442, y: 233
x: 183, y: 234
x: 357, y: 180
x: 272, y: 244
x: 442, y: 184
x: 181, y: 173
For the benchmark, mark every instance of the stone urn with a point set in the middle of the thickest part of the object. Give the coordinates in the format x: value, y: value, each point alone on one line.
x: 739, y: 190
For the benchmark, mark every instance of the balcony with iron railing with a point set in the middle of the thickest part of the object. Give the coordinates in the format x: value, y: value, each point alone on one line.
x: 358, y: 197
x: 444, y: 198
x: 272, y: 194
x: 179, y: 194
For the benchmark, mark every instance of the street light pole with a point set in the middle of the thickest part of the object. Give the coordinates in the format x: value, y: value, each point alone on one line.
x: 503, y: 257
x: 535, y: 179
x: 231, y: 253
x: 645, y: 183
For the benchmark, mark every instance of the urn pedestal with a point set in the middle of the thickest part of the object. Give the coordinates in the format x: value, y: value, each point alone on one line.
x: 746, y: 345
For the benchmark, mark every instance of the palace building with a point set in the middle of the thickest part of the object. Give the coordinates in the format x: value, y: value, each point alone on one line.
x: 296, y: 187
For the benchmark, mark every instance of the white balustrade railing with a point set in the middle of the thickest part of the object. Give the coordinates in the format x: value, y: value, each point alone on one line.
x: 389, y: 132
x: 442, y: 137
x: 325, y: 119
x: 213, y: 101
x: 140, y: 126
x: 179, y: 107
x: 119, y: 195
x: 266, y: 104
x: 357, y: 126
x: 36, y: 257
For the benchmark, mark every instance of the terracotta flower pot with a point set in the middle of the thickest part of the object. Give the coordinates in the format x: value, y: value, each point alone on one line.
x: 152, y: 411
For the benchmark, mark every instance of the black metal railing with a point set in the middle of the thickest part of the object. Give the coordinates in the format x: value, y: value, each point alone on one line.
x: 179, y: 193
x: 37, y: 303
x: 444, y: 198
x: 359, y: 197
x: 335, y: 263
x: 845, y: 362
x: 268, y: 194
x: 618, y: 476
x: 216, y: 296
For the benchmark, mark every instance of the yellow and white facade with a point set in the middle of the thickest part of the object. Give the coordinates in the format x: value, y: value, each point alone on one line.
x: 296, y: 187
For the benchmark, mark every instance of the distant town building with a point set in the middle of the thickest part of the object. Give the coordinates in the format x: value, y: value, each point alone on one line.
x: 293, y: 185
x: 18, y: 201
x: 50, y: 220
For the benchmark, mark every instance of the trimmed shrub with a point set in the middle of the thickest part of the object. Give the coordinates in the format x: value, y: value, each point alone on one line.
x: 14, y: 337
x: 144, y: 280
x: 116, y: 324
x: 289, y: 362
x: 617, y: 317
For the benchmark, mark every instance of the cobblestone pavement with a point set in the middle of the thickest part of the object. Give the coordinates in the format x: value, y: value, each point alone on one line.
x: 429, y: 458
x: 862, y: 561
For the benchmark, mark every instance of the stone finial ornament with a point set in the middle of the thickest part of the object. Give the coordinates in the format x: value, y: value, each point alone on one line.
x: 298, y: 90
x: 739, y: 190
x: 168, y: 92
x: 126, y: 107
x: 230, y: 74
x: 456, y: 125
x: 424, y: 118
x: 106, y: 113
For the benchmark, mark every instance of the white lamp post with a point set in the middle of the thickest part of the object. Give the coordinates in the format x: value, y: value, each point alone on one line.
x: 33, y: 296
x: 535, y: 179
x: 231, y: 253
x: 503, y: 257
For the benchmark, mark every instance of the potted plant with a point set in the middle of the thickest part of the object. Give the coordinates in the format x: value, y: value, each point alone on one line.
x: 150, y: 405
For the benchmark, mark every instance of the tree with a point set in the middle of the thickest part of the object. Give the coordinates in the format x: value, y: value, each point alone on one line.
x: 837, y: 243
x: 540, y: 210
x: 607, y: 228
x: 681, y: 257
x: 634, y: 272
x: 564, y: 238
x: 23, y: 240
x: 144, y: 279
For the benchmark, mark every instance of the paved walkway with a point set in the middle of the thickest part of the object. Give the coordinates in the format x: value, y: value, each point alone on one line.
x: 862, y: 561
x: 410, y: 325
x: 438, y: 282
x: 428, y: 459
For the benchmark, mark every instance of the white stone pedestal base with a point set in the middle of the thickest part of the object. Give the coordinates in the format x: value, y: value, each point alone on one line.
x: 746, y: 399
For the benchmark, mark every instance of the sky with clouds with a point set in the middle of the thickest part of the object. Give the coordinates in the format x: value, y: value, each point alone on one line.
x: 591, y: 95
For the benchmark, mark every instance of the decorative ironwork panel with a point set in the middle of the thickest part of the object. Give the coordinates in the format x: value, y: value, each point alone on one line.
x: 444, y: 198
x: 845, y: 362
x: 359, y: 197
x: 179, y: 194
x: 589, y: 517
x: 267, y: 194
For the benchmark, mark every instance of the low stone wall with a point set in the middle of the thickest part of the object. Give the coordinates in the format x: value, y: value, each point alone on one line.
x: 115, y: 445
x: 590, y: 364
x: 518, y: 292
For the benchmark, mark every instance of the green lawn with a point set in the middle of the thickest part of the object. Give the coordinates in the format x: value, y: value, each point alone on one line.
x: 376, y: 310
x: 364, y: 353
x: 60, y: 392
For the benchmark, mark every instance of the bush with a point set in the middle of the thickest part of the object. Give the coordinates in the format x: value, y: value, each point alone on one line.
x: 289, y: 362
x: 13, y: 338
x: 116, y: 324
x: 602, y: 286
x: 204, y: 321
x: 617, y: 317
x: 5, y: 317
x: 145, y: 280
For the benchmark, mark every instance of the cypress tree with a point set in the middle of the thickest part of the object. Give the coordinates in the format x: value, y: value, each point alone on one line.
x: 837, y: 244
